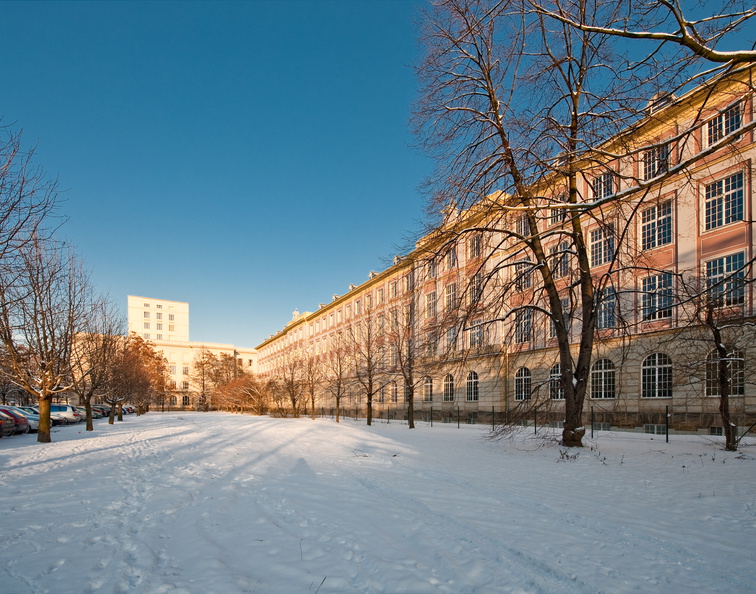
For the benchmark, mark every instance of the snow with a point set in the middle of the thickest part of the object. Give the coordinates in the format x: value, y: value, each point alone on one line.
x: 220, y: 503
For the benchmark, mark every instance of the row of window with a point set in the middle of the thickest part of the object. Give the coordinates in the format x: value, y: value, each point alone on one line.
x: 472, y: 382
x: 656, y: 378
x: 159, y: 316
x: 159, y: 326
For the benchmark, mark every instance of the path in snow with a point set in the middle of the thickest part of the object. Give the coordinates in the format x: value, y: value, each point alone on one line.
x: 193, y: 502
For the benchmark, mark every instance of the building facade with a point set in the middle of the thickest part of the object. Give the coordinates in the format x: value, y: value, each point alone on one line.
x: 165, y: 325
x: 465, y: 325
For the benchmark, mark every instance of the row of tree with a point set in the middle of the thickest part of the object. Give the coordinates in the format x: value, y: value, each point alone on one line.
x: 520, y: 97
x: 58, y: 338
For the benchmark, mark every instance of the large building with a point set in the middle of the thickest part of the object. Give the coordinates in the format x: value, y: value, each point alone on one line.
x: 465, y: 324
x: 165, y: 324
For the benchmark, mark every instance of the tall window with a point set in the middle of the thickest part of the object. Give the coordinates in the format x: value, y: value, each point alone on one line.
x: 451, y: 337
x: 428, y: 389
x: 724, y: 201
x: 606, y: 310
x: 523, y: 325
x: 432, y: 269
x: 476, y: 245
x: 476, y: 288
x: 450, y: 297
x: 522, y: 226
x: 603, y: 383
x: 603, y: 185
x: 656, y: 376
x: 556, y: 389
x: 655, y: 161
x: 724, y: 123
x: 656, y: 226
x: 472, y: 387
x: 449, y: 388
x: 523, y: 384
x: 602, y: 245
x: 146, y: 315
x: 394, y: 392
x: 451, y: 258
x: 522, y: 276
x: 735, y: 369
x: 657, y: 296
x: 725, y: 278
x: 430, y: 305
x: 558, y: 215
x: 476, y: 334
x: 560, y: 259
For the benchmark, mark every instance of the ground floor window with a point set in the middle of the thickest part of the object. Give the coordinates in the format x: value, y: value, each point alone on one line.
x: 472, y: 386
x: 656, y: 376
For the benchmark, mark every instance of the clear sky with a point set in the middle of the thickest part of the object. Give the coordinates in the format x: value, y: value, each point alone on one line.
x: 250, y: 158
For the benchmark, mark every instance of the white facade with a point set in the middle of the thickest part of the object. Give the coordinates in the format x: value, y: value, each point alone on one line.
x: 165, y: 324
x: 158, y: 319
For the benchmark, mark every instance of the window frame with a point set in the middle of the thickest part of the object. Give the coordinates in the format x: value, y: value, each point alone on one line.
x: 657, y: 380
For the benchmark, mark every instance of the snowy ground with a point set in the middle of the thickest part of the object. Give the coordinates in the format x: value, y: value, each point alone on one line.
x: 216, y: 503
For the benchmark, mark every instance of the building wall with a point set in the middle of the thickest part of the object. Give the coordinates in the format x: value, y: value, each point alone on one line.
x: 462, y: 261
x: 158, y: 319
x: 165, y: 324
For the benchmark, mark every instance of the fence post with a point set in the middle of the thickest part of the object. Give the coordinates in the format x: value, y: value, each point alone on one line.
x: 431, y: 415
x: 592, y: 417
x: 535, y: 422
x: 666, y: 422
x: 457, y: 417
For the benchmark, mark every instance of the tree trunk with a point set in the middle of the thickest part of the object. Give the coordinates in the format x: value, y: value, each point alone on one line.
x: 43, y: 430
x: 88, y: 408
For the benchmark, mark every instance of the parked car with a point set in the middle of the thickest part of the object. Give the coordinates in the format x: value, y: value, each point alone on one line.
x: 8, y: 425
x: 103, y: 408
x: 55, y: 418
x: 19, y: 420
x: 96, y: 414
x: 68, y: 411
x: 31, y: 417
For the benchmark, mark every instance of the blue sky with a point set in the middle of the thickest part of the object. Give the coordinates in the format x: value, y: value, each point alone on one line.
x: 247, y: 157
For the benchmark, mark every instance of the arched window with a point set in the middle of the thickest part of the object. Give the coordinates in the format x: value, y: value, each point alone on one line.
x: 603, y: 380
x: 736, y: 368
x: 523, y: 383
x: 656, y: 376
x: 185, y: 401
x: 472, y: 386
x: 428, y: 389
x: 556, y: 389
x: 449, y: 388
x: 172, y: 401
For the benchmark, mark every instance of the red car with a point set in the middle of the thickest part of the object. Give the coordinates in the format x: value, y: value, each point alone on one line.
x: 7, y: 425
x: 19, y: 420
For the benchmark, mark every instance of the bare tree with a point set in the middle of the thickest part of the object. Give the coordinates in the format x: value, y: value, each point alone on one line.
x: 337, y: 367
x: 43, y: 304
x: 203, y: 376
x: 139, y: 373
x: 94, y: 351
x: 526, y: 106
x: 719, y: 328
x: 26, y: 196
x: 367, y: 338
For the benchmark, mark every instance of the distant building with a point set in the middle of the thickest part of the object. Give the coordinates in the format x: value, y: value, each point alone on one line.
x: 158, y: 319
x: 165, y: 324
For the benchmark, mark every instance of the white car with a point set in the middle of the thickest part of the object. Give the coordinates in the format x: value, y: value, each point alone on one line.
x: 69, y: 411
